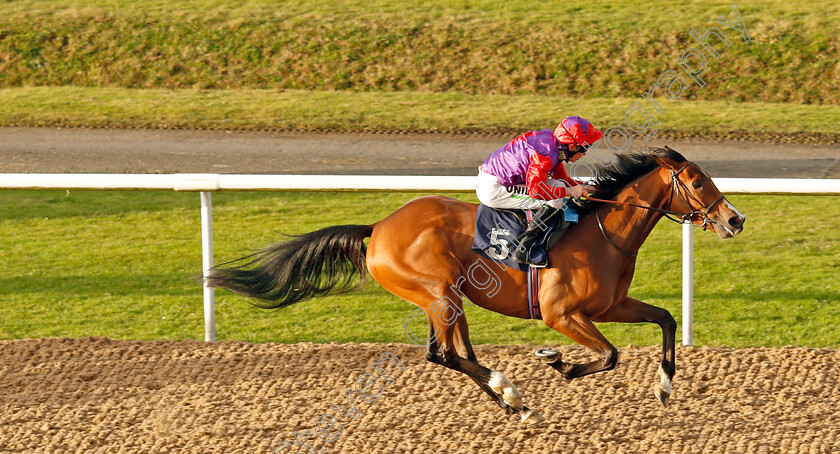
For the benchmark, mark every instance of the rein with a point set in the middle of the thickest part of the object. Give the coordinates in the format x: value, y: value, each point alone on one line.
x: 682, y: 190
x: 684, y: 217
x: 604, y: 232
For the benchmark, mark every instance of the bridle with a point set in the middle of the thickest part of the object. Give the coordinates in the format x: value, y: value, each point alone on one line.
x: 679, y: 188
x: 682, y: 190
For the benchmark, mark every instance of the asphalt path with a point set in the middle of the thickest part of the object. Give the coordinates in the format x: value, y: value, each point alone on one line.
x: 57, y: 150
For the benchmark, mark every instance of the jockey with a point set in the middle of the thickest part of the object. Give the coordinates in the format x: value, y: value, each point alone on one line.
x: 519, y: 175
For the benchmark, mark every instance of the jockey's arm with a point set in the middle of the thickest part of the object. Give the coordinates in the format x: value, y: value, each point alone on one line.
x: 561, y: 174
x: 537, y: 176
x: 575, y: 188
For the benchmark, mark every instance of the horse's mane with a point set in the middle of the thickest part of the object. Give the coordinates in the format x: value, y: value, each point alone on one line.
x: 611, y: 179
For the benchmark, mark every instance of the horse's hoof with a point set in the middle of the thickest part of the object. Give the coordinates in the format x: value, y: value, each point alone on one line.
x: 531, y: 417
x: 661, y: 394
x: 548, y: 355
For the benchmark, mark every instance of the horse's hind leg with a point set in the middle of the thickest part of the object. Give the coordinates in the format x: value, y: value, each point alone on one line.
x: 449, y: 346
x: 634, y: 311
x: 468, y: 366
x: 449, y: 342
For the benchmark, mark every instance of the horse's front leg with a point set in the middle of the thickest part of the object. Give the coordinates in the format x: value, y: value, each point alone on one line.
x: 634, y: 311
x: 580, y: 329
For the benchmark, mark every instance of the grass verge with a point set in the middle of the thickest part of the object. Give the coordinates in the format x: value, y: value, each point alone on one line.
x: 399, y: 111
x: 118, y: 264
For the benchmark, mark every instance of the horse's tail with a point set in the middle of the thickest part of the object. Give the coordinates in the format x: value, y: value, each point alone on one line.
x: 310, y: 265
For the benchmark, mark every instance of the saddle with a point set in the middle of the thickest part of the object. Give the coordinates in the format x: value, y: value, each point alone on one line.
x: 496, y: 231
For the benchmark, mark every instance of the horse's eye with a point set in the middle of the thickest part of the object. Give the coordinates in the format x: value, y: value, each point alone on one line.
x: 697, y: 184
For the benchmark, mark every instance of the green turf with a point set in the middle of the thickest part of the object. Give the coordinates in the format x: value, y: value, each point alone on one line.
x: 118, y: 264
x: 412, y: 111
x: 464, y: 65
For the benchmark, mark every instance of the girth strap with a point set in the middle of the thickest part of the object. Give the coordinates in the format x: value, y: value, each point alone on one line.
x: 533, y: 292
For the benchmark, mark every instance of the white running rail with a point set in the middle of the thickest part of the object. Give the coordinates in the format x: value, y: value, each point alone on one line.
x: 205, y: 183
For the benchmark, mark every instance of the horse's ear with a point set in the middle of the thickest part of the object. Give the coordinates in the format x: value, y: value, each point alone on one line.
x: 669, y: 164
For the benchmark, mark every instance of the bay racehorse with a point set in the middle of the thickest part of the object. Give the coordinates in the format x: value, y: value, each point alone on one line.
x: 422, y: 253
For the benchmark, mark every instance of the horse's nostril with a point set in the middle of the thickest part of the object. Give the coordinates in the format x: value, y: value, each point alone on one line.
x: 736, y: 221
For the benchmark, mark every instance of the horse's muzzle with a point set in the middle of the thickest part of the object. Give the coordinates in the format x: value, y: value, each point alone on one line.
x: 737, y: 222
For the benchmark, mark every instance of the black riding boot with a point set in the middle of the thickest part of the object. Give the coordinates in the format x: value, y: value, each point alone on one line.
x: 535, y: 228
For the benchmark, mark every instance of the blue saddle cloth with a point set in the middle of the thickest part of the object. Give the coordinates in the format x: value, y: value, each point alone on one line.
x: 496, y: 233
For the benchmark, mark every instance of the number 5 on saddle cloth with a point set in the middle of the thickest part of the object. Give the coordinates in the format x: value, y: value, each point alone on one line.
x: 496, y: 232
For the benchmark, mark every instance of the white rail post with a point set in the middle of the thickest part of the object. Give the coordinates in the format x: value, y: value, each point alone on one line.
x: 207, y: 262
x: 688, y: 283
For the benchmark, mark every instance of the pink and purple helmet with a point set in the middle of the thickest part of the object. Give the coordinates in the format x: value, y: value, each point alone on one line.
x: 577, y: 130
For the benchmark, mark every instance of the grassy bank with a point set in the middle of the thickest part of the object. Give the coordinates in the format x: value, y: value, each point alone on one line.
x: 600, y: 49
x: 399, y: 111
x: 466, y: 66
x: 118, y: 264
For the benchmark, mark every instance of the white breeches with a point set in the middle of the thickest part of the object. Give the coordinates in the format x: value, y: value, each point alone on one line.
x: 495, y: 195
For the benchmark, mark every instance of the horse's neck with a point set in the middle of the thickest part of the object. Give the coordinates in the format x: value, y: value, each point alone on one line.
x: 631, y: 226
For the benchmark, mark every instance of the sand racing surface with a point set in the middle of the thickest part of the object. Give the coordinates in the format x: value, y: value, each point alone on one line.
x: 98, y: 395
